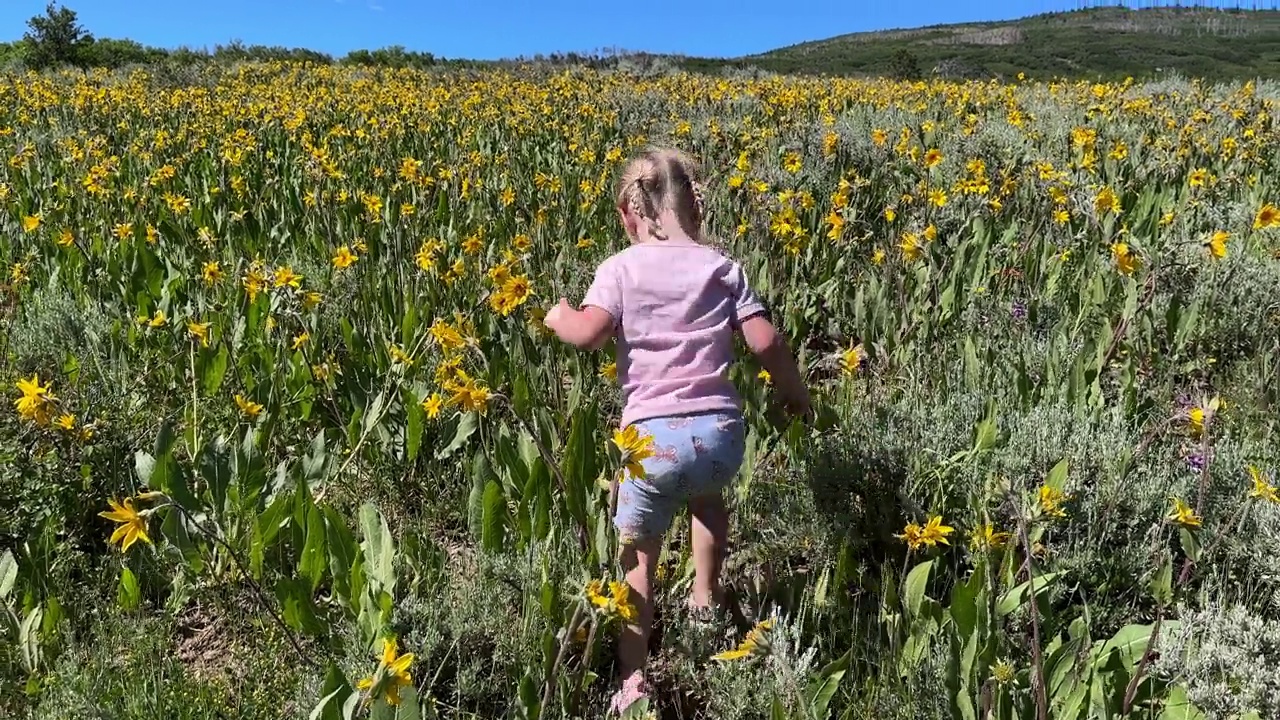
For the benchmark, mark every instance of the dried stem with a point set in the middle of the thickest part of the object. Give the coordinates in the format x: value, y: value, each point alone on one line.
x: 1037, y: 660
x: 549, y: 687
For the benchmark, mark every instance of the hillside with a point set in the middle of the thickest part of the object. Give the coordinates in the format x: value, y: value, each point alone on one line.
x: 1102, y: 42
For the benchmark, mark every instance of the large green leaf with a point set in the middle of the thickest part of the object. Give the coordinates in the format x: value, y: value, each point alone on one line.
x: 467, y: 425
x: 913, y: 589
x: 314, y: 559
x: 494, y: 523
x: 1177, y: 706
x: 378, y: 549
x: 1020, y: 595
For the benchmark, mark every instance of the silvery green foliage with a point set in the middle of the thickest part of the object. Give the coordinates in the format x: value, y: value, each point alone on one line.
x: 746, y: 688
x: 1229, y: 660
x: 52, y: 323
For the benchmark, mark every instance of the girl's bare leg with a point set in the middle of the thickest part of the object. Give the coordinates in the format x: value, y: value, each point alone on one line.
x: 639, y: 560
x: 710, y: 539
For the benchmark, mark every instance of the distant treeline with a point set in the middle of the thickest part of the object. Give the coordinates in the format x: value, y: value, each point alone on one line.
x: 111, y: 53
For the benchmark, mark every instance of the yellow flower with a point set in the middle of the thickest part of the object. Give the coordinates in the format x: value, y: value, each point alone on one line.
x: 1268, y: 216
x: 935, y: 532
x: 515, y: 292
x: 1262, y: 489
x: 756, y: 643
x: 248, y: 408
x: 1183, y: 514
x: 879, y: 137
x: 211, y: 272
x: 398, y: 355
x: 391, y: 676
x: 985, y: 537
x: 765, y: 377
x: 930, y: 534
x: 851, y: 359
x: 1107, y: 202
x: 792, y: 162
x: 467, y: 393
x: 449, y: 337
x: 610, y: 371
x: 199, y: 331
x: 1051, y: 500
x: 1195, y: 421
x: 636, y: 448
x: 1217, y: 244
x: 158, y: 320
x: 133, y: 527
x: 65, y: 421
x: 616, y: 602
x: 285, y: 276
x: 253, y: 281
x: 30, y: 223
x: 301, y: 339
x: 1126, y: 261
x: 344, y: 258
x: 932, y: 158
x: 911, y: 247
x: 36, y: 403
x: 432, y: 406
x: 65, y: 238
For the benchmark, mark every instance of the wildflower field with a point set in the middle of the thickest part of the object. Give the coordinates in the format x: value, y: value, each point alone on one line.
x: 285, y: 437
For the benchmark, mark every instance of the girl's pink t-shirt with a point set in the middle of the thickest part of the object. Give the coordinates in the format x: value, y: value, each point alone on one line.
x: 675, y: 305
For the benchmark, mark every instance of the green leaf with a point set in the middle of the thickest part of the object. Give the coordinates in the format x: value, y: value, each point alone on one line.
x: 215, y: 470
x: 128, y: 593
x: 823, y: 687
x: 8, y: 574
x: 913, y: 589
x: 964, y: 608
x: 1127, y: 646
x: 530, y: 707
x: 313, y: 560
x: 481, y: 474
x: 334, y: 693
x: 315, y: 462
x: 269, y: 524
x: 1179, y: 707
x: 144, y: 465
x: 467, y: 425
x: 343, y: 551
x: 1190, y: 543
x: 1057, y: 478
x: 1162, y: 583
x: 776, y: 709
x: 494, y: 517
x: 414, y: 416
x: 1018, y: 596
x: 212, y: 369
x: 378, y: 549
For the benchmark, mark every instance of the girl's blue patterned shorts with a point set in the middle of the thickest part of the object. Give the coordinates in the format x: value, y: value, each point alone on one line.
x: 693, y: 456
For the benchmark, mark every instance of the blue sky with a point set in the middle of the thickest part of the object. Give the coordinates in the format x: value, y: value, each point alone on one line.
x: 509, y: 28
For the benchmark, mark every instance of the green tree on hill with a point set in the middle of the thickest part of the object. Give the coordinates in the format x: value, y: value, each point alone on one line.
x: 904, y: 65
x: 55, y: 38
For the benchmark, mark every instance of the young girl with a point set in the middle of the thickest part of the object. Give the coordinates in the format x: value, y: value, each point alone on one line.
x: 673, y: 306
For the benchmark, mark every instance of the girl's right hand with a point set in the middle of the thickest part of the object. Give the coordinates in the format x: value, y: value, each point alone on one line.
x: 556, y: 314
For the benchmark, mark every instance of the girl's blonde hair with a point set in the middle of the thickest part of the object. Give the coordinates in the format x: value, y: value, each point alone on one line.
x: 663, y: 179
